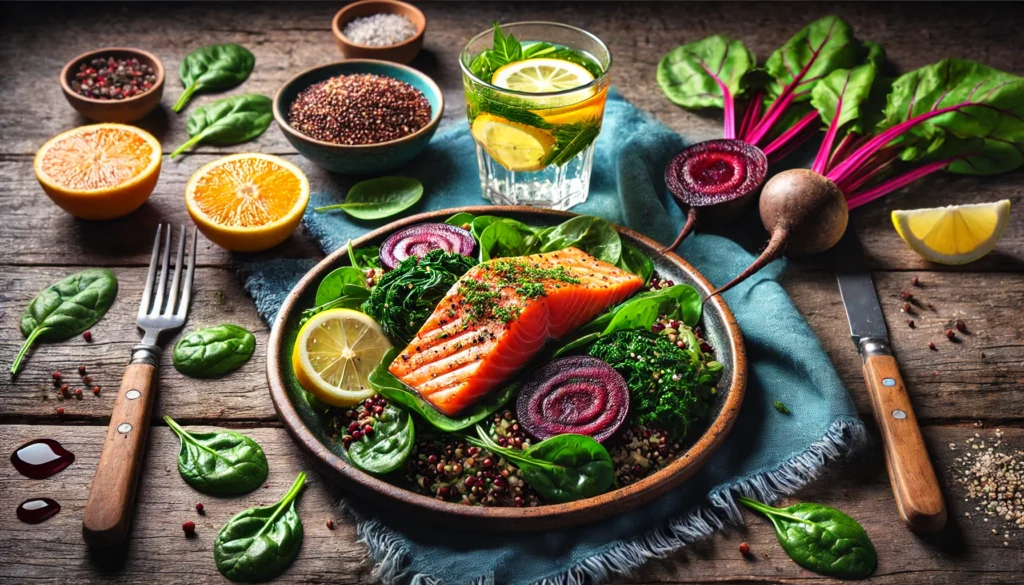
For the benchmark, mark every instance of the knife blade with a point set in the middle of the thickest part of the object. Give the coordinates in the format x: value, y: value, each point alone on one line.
x: 911, y: 474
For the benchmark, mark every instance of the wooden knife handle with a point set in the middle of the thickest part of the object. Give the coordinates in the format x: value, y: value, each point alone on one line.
x: 108, y: 514
x: 910, y: 470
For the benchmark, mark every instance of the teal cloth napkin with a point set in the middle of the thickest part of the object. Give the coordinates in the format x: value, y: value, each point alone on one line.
x: 767, y: 455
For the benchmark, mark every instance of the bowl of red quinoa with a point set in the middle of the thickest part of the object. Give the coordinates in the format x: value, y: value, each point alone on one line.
x: 388, y: 30
x: 113, y: 84
x: 360, y: 116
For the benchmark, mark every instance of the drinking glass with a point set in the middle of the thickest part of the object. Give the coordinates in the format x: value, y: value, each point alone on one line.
x: 535, y: 148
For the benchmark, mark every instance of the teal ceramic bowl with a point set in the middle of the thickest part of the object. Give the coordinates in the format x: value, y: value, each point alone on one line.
x: 366, y: 159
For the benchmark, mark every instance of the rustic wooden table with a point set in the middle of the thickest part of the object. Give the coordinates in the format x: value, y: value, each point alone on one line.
x: 964, y: 390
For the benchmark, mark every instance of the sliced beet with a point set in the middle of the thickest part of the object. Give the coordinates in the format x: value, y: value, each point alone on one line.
x: 722, y: 173
x: 581, y: 395
x: 420, y: 239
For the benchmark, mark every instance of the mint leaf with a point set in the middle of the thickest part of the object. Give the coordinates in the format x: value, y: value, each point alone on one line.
x: 571, y: 139
x: 506, y: 48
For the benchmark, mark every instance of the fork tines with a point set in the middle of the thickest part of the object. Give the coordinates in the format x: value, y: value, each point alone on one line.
x: 153, y: 304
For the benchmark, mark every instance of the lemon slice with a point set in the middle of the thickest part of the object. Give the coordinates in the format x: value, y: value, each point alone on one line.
x: 956, y: 234
x: 541, y: 76
x: 334, y: 354
x: 517, y: 147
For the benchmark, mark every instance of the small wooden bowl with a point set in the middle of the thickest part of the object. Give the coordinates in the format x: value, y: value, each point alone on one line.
x: 403, y: 52
x: 119, y: 111
x: 306, y: 426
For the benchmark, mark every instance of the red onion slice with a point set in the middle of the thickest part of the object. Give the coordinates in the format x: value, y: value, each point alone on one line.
x: 419, y: 239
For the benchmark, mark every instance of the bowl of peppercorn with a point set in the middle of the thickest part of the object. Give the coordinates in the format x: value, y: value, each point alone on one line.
x: 113, y: 84
x: 360, y: 116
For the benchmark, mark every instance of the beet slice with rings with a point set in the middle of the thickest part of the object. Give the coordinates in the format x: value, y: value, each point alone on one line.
x: 722, y: 173
x: 580, y: 395
x: 422, y: 238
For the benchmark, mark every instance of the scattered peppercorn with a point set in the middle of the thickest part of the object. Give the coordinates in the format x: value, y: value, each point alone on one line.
x: 189, y: 527
x: 60, y: 410
x: 81, y: 370
x: 87, y: 380
x: 56, y: 375
x: 931, y: 346
x: 906, y: 295
x: 910, y: 323
x: 931, y: 306
x: 961, y: 326
x: 111, y: 78
x: 87, y: 336
x: 982, y: 355
x: 359, y: 109
x: 96, y: 390
x: 907, y: 308
x: 64, y: 388
x: 78, y: 392
x: 950, y: 334
x: 744, y: 549
x: 199, y: 507
x: 914, y: 281
x: 330, y: 524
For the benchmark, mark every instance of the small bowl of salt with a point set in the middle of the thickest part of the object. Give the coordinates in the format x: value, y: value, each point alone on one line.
x: 387, y: 30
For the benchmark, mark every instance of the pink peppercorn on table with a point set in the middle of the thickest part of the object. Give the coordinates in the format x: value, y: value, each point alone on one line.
x: 962, y: 392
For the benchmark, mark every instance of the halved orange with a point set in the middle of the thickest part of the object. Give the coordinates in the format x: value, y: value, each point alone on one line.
x: 100, y: 171
x: 247, y: 202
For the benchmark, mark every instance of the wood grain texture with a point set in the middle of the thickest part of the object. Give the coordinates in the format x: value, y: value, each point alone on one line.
x: 906, y: 457
x: 111, y: 506
x: 52, y: 552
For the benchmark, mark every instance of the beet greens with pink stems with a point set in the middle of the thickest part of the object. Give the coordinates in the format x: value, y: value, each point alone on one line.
x: 767, y: 111
x: 954, y: 115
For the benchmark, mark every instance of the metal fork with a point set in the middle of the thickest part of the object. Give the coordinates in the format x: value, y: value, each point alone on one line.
x: 108, y: 513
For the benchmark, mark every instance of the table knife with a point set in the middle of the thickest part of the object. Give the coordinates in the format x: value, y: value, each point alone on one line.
x: 913, y: 479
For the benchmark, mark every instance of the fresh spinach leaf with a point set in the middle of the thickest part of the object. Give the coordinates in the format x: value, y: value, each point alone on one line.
x: 352, y: 297
x: 220, y: 463
x: 259, y: 543
x: 213, y: 351
x: 593, y: 235
x: 66, y: 308
x: 387, y: 448
x: 394, y: 390
x: 379, y: 198
x: 821, y: 539
x: 214, y: 68
x: 680, y: 301
x: 639, y: 313
x: 572, y: 139
x: 635, y: 261
x: 461, y: 219
x: 365, y: 258
x: 501, y: 240
x: 228, y: 121
x: 562, y: 468
x: 333, y: 285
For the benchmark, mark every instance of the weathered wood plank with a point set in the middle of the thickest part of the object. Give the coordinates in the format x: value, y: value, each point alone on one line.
x: 967, y: 386
x: 51, y: 552
x: 290, y: 38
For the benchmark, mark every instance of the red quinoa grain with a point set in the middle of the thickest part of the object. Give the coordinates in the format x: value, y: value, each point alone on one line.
x: 359, y: 109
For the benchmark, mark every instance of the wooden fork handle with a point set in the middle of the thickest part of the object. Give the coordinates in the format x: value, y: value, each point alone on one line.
x: 910, y: 470
x: 108, y: 514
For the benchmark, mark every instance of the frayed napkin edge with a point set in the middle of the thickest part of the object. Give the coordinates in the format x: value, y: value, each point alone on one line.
x: 844, y: 438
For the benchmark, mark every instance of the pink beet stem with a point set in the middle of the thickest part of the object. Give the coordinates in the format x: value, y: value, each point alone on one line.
x: 821, y: 160
x: 846, y: 145
x: 730, y: 105
x: 848, y: 166
x: 770, y: 117
x: 798, y: 129
x: 871, y: 168
x: 858, y: 199
x: 751, y: 115
x: 691, y: 222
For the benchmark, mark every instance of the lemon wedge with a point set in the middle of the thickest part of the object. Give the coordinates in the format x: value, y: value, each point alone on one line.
x: 334, y: 354
x: 956, y: 234
x: 541, y: 76
x: 517, y: 147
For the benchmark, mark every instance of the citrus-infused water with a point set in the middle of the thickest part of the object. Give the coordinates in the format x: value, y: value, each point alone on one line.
x: 535, y: 97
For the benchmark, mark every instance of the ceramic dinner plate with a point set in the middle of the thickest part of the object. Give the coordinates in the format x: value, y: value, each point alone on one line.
x: 309, y: 427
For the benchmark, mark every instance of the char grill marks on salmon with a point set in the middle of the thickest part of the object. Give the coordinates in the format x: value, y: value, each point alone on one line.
x: 498, y: 316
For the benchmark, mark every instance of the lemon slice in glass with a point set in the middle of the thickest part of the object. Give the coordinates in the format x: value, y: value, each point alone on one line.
x: 517, y: 147
x: 334, y: 354
x: 541, y: 76
x: 956, y: 234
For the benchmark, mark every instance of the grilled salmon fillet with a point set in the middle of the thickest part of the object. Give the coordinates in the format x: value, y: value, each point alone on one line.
x: 498, y: 316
